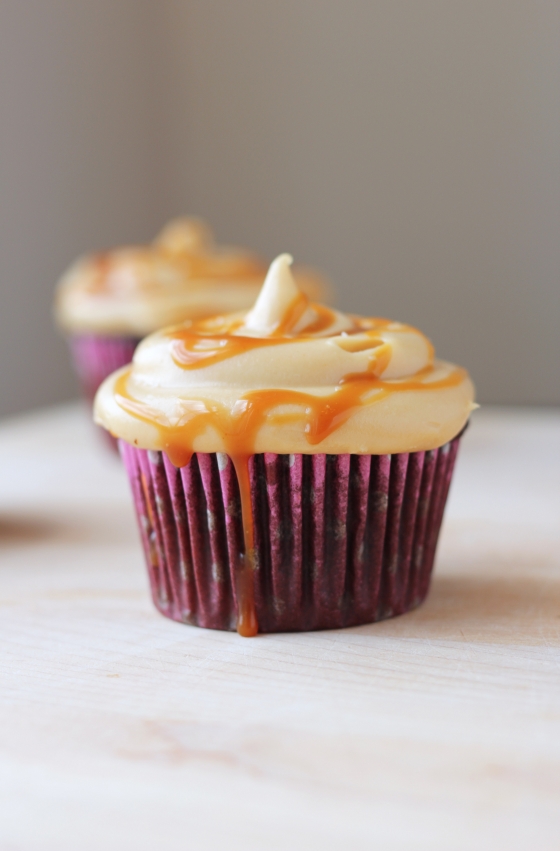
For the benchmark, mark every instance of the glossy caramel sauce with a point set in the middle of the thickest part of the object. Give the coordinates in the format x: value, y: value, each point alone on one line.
x: 199, y: 344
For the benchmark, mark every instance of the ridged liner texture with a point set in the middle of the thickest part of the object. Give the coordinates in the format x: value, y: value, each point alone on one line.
x: 95, y: 357
x: 340, y: 540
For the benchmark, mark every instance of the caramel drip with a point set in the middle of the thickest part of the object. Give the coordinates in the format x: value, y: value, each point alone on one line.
x: 247, y: 623
x: 239, y: 428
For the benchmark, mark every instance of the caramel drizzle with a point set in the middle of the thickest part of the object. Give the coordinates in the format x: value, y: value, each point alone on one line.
x: 227, y: 269
x: 293, y: 314
x: 207, y: 342
x: 239, y: 426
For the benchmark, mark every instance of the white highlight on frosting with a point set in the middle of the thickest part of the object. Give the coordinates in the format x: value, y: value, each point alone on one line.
x: 278, y: 293
x: 410, y: 353
x: 276, y: 299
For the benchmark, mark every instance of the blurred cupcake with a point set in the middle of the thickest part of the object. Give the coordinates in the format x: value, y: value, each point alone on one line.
x: 108, y: 302
x: 289, y: 465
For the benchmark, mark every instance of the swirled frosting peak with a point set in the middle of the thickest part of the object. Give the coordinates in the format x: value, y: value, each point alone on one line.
x: 288, y: 376
x: 281, y: 306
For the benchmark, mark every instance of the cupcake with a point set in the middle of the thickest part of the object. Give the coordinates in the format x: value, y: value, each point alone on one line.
x: 108, y: 302
x: 290, y: 464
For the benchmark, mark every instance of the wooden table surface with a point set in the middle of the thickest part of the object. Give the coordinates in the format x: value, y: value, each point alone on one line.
x: 122, y: 730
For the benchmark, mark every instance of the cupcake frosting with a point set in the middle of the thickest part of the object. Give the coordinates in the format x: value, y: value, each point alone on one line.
x: 182, y: 274
x: 289, y: 376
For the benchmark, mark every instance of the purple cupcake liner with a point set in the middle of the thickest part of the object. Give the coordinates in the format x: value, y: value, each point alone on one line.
x: 340, y: 540
x: 95, y: 357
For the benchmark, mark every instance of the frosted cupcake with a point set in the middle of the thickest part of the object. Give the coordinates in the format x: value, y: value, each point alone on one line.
x: 108, y: 302
x: 289, y: 465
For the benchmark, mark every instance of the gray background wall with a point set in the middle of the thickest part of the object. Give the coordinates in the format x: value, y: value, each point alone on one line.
x: 80, y: 165
x: 410, y: 147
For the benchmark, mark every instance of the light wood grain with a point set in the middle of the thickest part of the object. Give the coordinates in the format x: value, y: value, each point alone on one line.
x: 122, y: 730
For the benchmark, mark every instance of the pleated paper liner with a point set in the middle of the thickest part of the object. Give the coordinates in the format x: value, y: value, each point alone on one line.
x: 96, y: 356
x: 340, y: 540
